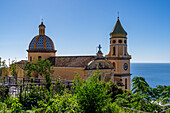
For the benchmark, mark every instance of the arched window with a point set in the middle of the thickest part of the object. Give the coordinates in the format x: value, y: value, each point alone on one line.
x: 125, y: 83
x: 125, y: 50
x: 114, y: 65
x: 114, y: 50
x: 30, y: 59
x: 39, y: 57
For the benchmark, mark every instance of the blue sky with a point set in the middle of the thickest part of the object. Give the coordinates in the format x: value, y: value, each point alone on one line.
x: 78, y: 26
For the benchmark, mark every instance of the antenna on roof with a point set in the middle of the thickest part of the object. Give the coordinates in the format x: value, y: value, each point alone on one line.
x: 118, y: 14
x: 41, y: 19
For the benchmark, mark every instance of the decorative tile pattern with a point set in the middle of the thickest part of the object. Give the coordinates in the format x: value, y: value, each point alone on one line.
x: 32, y: 43
x: 48, y: 43
x: 40, y: 43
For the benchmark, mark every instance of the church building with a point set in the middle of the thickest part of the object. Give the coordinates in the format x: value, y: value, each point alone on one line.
x: 114, y: 66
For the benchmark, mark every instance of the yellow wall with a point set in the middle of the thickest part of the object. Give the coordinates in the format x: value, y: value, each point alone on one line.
x: 68, y: 72
x: 35, y: 55
x: 119, y: 65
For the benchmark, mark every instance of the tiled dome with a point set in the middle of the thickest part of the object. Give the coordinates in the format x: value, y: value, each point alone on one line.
x: 41, y: 42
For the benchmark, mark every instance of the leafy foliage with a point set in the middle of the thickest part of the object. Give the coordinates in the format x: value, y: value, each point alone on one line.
x: 31, y: 98
x: 143, y: 97
x: 16, y: 106
x: 64, y: 104
x: 13, y: 68
x: 3, y: 108
x: 92, y: 94
x: 42, y: 68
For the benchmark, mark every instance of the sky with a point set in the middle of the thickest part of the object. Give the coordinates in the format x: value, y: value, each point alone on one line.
x: 77, y: 27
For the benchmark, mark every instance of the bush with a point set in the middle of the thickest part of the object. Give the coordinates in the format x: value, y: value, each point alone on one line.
x: 63, y: 104
x: 4, y: 90
x: 30, y: 98
x: 92, y: 94
x: 3, y: 108
x: 16, y: 106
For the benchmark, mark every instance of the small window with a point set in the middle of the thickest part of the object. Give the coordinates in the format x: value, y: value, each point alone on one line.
x: 114, y: 41
x: 125, y: 41
x: 39, y: 57
x: 114, y: 51
x: 120, y: 41
x: 30, y: 59
x: 125, y: 83
x: 114, y: 65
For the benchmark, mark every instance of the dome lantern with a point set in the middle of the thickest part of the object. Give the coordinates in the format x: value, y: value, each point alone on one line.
x: 42, y: 29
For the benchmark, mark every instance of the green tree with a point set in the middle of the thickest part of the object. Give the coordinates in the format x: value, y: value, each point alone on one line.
x: 139, y: 85
x: 42, y: 68
x: 91, y: 94
x: 13, y: 68
x: 3, y: 67
x: 66, y: 103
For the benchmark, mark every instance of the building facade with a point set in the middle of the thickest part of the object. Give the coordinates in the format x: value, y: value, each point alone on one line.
x: 115, y: 66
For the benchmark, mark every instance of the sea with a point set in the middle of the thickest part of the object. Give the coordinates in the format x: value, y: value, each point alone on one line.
x: 154, y: 73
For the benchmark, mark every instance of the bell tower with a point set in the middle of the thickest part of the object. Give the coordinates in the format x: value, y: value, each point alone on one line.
x: 119, y: 56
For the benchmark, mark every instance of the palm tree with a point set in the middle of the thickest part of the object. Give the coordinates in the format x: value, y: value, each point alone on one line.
x: 139, y: 85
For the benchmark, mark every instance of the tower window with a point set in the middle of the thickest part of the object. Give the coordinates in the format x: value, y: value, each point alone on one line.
x: 125, y: 83
x: 30, y: 59
x: 120, y: 41
x: 125, y: 41
x: 114, y: 66
x: 114, y: 41
x: 39, y: 57
x: 125, y: 51
x: 114, y: 50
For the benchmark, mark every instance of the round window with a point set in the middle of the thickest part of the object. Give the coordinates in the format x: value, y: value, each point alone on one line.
x: 120, y: 41
x: 114, y: 41
x: 125, y: 41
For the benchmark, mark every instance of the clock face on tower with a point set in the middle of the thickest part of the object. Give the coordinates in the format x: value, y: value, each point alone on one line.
x: 125, y: 66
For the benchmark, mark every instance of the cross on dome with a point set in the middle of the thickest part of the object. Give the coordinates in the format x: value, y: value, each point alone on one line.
x: 99, y: 47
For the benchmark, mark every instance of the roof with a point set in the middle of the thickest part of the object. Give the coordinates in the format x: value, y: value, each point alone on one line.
x: 118, y: 30
x: 40, y: 42
x: 22, y: 63
x: 71, y: 61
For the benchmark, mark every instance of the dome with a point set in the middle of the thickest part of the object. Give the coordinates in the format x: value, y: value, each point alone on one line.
x: 41, y: 42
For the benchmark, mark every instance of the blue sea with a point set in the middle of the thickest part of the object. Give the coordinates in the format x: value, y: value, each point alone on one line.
x: 154, y: 73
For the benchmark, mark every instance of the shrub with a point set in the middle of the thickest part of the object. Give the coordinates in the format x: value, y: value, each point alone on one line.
x: 3, y: 108
x: 63, y: 104
x: 16, y: 106
x: 91, y: 94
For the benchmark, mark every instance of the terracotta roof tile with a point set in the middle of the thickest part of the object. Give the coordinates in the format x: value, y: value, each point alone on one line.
x: 71, y: 61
